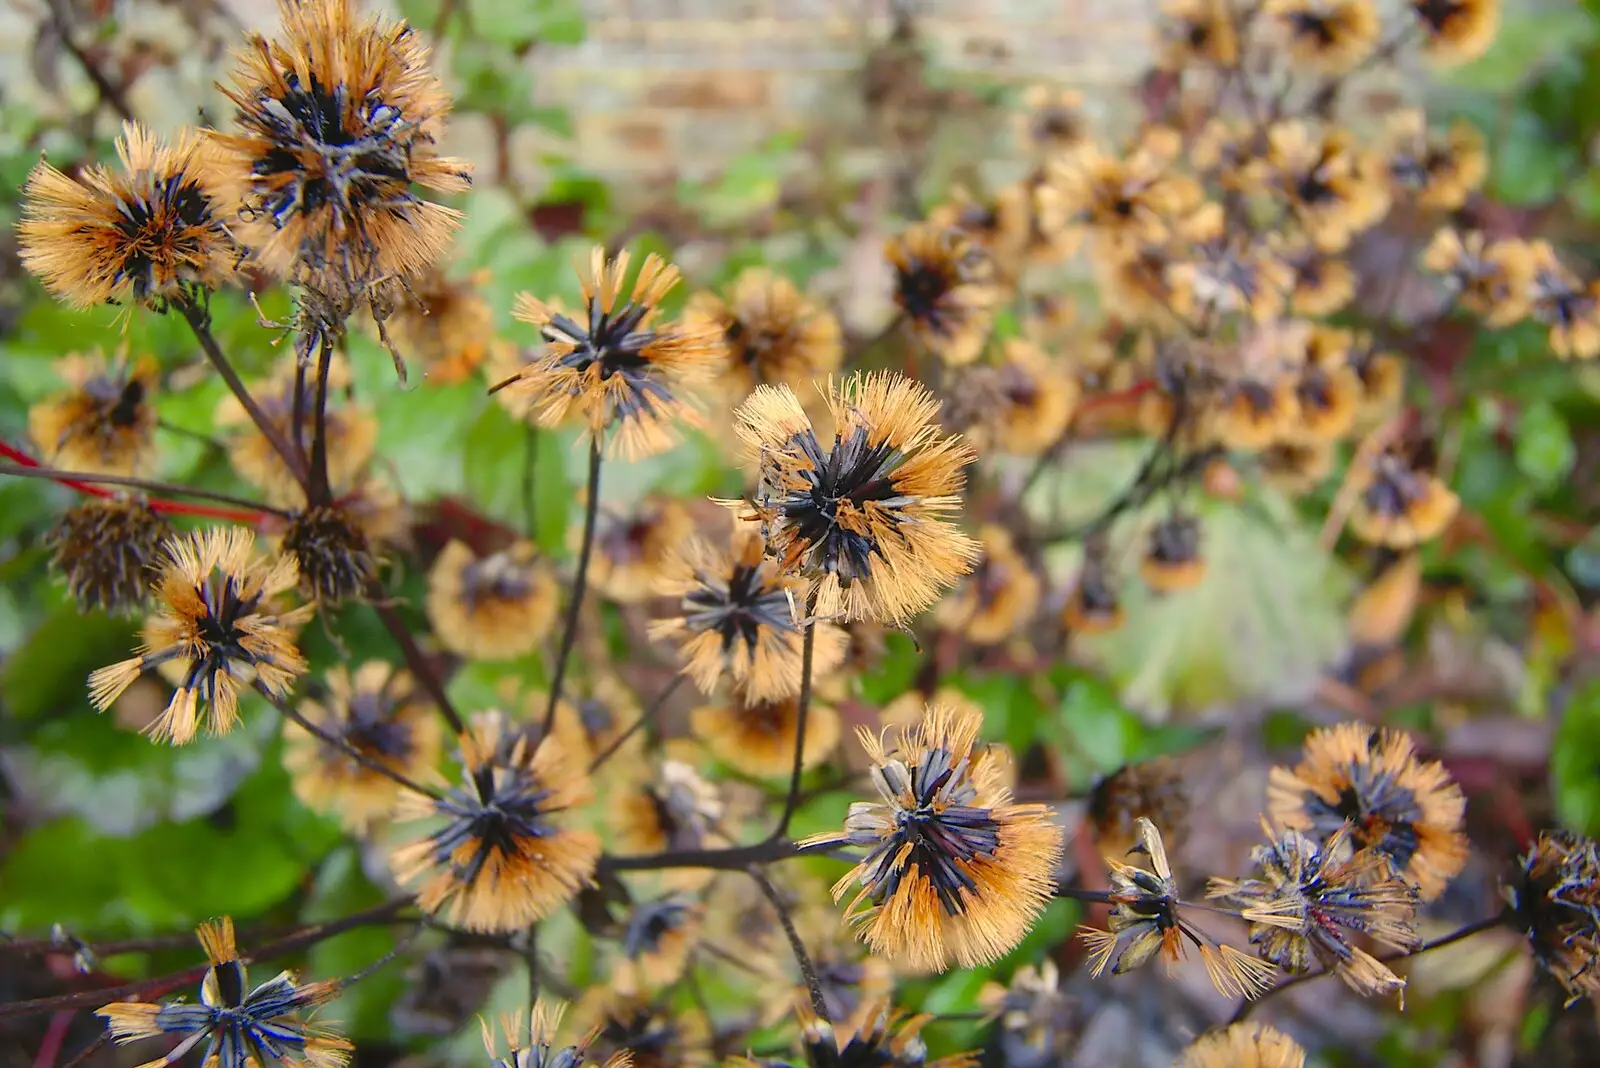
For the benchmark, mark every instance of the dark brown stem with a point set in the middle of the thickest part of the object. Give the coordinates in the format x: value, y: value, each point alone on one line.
x: 580, y: 582
x: 808, y: 972
x: 734, y: 858
x: 164, y: 984
x: 89, y: 1051
x: 200, y: 322
x: 1460, y: 934
x: 109, y: 92
x: 791, y: 800
x: 645, y: 717
x: 318, y: 491
x: 165, y: 489
x: 415, y: 660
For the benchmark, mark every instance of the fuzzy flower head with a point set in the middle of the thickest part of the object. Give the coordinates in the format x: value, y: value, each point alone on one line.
x: 107, y: 548
x: 1327, y: 36
x: 1371, y: 779
x: 1036, y: 1021
x: 540, y: 1049
x: 1147, y: 919
x: 492, y: 607
x: 1244, y: 1045
x: 104, y: 422
x: 633, y: 548
x: 655, y: 943
x: 501, y: 854
x: 757, y: 737
x: 215, y: 625
x: 864, y: 523
x: 955, y: 872
x: 944, y: 287
x: 1020, y: 406
x: 147, y: 233
x: 676, y: 809
x: 334, y: 129
x: 999, y: 599
x: 1307, y: 899
x: 1401, y: 503
x: 738, y: 619
x: 773, y: 333
x: 878, y: 1037
x: 235, y: 1026
x: 1440, y: 172
x: 1153, y: 789
x: 332, y: 552
x: 377, y: 712
x: 615, y: 366
x: 1554, y: 897
x: 447, y: 328
x: 1457, y: 31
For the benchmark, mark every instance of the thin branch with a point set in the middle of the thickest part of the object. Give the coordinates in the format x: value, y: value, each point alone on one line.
x: 1459, y: 934
x: 109, y: 92
x: 200, y: 322
x: 530, y: 463
x: 94, y: 1047
x: 317, y: 491
x: 411, y: 652
x: 734, y: 858
x: 164, y: 984
x: 808, y: 972
x: 344, y: 747
x: 580, y: 582
x: 645, y: 717
x: 247, y: 511
x: 808, y: 646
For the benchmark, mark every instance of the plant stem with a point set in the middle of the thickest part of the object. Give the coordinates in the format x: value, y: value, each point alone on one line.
x: 412, y: 653
x: 734, y: 858
x: 1459, y: 934
x: 580, y: 582
x: 647, y: 716
x: 88, y: 484
x: 808, y: 972
x: 808, y: 646
x: 530, y: 462
x: 164, y: 984
x: 200, y: 323
x: 317, y: 490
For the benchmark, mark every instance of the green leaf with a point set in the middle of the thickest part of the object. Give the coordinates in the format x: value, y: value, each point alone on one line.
x: 341, y: 889
x: 1544, y: 449
x: 1100, y: 729
x: 1575, y: 761
x: 49, y: 673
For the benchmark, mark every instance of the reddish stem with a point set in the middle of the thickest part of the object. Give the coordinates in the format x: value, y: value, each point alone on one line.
x: 55, y: 1036
x: 157, y: 504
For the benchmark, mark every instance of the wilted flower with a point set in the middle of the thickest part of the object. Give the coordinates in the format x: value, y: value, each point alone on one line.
x: 1036, y: 1022
x: 642, y: 1027
x: 1440, y: 173
x: 881, y: 1037
x: 676, y: 809
x: 1093, y: 606
x: 1126, y: 201
x: 1456, y: 31
x: 999, y: 598
x: 1172, y: 560
x: 216, y: 622
x: 1051, y: 120
x: 1244, y: 1045
x: 1554, y: 898
x: 1147, y: 918
x: 336, y: 123
x: 503, y: 854
x: 150, y: 233
x: 1401, y: 504
x: 944, y: 286
x: 377, y: 712
x: 1334, y: 190
x: 1487, y: 278
x: 239, y: 1027
x: 447, y: 326
x: 332, y: 553
x: 655, y: 943
x: 633, y: 548
x: 1327, y: 36
x: 956, y: 871
x: 757, y: 737
x: 104, y: 423
x: 773, y: 334
x: 492, y: 607
x: 864, y: 522
x: 107, y: 549
x: 1371, y: 779
x: 1308, y: 897
x: 739, y: 620
x: 541, y: 1051
x: 1153, y: 789
x: 1564, y: 303
x: 615, y: 366
x: 1021, y: 405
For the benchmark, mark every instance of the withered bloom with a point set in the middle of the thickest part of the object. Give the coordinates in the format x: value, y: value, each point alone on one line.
x: 1036, y: 1022
x: 216, y: 621
x: 107, y: 548
x: 1147, y: 918
x: 1370, y: 778
x: 863, y: 523
x: 1197, y: 32
x: 541, y: 1050
x: 757, y: 737
x: 1021, y: 405
x: 1554, y: 897
x: 104, y: 423
x: 377, y: 712
x: 332, y: 552
x: 999, y: 598
x: 1307, y: 898
x: 655, y: 943
x: 956, y: 872
x: 335, y: 127
x: 447, y: 327
x: 1051, y: 120
x: 616, y: 368
x: 1334, y: 190
x: 1488, y: 278
x: 502, y: 854
x: 878, y: 1036
x: 494, y: 607
x: 1172, y: 560
x: 944, y: 287
x: 1401, y: 505
x: 1219, y: 271
x: 235, y: 1026
x: 1126, y: 200
x: 1093, y: 606
x: 632, y: 548
x: 1456, y: 31
x: 149, y: 233
x: 773, y: 333
x: 1439, y: 172
x: 1153, y: 789
x: 676, y: 810
x: 1244, y: 1045
x: 1566, y: 304
x: 1327, y: 36
x: 739, y: 620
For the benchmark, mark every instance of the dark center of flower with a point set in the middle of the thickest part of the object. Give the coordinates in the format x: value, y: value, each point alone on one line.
x: 160, y: 229
x: 1436, y: 13
x: 739, y: 607
x: 943, y: 831
x: 650, y: 923
x: 1381, y: 812
x: 1318, y: 27
x: 372, y: 727
x: 829, y: 514
x: 504, y: 809
x: 220, y: 636
x: 494, y: 578
x: 1394, y: 489
x: 922, y: 289
x: 1175, y: 541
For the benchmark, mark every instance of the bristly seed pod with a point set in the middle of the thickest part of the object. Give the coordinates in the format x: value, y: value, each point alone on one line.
x: 106, y: 549
x: 332, y: 551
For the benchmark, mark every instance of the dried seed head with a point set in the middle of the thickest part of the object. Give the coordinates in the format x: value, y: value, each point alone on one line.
x: 332, y: 552
x: 106, y: 549
x: 1554, y: 895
